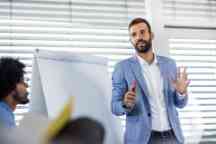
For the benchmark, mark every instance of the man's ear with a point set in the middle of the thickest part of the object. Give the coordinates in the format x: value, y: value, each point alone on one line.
x: 152, y: 35
x: 13, y: 92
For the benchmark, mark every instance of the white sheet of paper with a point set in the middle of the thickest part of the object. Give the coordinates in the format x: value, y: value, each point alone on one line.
x: 85, y: 77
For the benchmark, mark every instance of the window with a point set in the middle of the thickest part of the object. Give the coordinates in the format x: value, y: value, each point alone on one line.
x: 191, y: 30
x: 97, y: 27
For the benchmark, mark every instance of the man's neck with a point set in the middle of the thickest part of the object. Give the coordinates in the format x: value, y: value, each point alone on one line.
x: 148, y: 57
x: 11, y: 102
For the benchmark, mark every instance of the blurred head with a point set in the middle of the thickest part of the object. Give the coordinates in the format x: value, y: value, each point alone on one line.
x: 81, y: 131
x: 12, y: 80
x: 140, y: 35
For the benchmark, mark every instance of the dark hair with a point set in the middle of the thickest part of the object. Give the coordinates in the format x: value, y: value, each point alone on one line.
x: 139, y: 20
x: 11, y: 73
x: 84, y: 130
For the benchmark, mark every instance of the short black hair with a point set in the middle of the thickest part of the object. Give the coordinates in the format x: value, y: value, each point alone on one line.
x: 139, y: 20
x: 11, y: 73
x: 83, y: 129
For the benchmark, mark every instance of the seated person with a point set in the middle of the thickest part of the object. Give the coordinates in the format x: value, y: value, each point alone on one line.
x: 13, y: 89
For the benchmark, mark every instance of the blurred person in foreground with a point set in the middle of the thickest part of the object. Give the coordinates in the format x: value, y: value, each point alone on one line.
x: 80, y: 131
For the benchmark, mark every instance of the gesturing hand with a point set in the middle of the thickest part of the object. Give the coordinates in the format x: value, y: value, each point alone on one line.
x: 182, y: 82
x: 130, y: 96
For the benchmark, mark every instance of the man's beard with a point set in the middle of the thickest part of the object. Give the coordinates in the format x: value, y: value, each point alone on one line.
x: 21, y: 99
x: 143, y: 46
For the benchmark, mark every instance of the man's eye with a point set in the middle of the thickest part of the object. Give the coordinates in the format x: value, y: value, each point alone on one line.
x: 142, y: 32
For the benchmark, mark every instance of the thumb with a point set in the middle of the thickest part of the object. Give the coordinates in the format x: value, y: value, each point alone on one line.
x: 172, y: 82
x: 133, y: 86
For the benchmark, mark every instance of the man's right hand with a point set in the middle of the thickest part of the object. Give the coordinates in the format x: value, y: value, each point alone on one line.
x: 130, y: 96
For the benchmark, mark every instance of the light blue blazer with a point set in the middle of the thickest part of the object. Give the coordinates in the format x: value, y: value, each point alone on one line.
x: 138, y: 120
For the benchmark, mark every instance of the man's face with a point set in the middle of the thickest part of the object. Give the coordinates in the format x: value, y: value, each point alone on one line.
x: 21, y: 94
x: 140, y: 37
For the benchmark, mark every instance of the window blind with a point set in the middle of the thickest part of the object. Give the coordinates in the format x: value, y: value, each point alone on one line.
x: 96, y: 27
x: 191, y: 28
x: 198, y: 118
x: 190, y: 13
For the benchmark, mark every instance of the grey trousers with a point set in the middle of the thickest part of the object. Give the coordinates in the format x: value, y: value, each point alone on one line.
x: 163, y: 138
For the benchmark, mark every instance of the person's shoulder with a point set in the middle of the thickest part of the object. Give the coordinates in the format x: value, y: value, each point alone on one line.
x: 3, y: 111
x: 165, y: 59
x: 124, y: 62
x: 6, y: 117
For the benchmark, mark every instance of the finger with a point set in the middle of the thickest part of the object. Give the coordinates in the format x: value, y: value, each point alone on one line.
x: 131, y: 93
x: 174, y: 83
x: 184, y: 73
x: 185, y: 76
x: 130, y: 101
x: 130, y: 98
x: 186, y: 85
x: 183, y: 69
x: 178, y: 72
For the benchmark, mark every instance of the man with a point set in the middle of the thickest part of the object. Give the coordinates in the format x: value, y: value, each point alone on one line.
x: 148, y: 88
x: 13, y: 89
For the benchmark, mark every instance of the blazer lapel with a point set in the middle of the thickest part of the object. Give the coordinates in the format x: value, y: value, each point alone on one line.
x: 163, y: 70
x: 136, y: 68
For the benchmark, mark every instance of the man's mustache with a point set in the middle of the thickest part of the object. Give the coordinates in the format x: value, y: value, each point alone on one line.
x: 141, y: 41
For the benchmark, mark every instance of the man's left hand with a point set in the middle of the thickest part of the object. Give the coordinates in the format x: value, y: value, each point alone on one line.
x: 182, y: 82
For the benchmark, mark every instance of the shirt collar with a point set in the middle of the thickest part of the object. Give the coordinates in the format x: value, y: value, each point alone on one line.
x: 144, y: 62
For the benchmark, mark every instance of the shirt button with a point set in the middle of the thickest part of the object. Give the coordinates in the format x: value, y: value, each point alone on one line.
x: 149, y: 114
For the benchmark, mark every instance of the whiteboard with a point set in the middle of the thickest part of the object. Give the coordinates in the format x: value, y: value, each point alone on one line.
x: 58, y: 75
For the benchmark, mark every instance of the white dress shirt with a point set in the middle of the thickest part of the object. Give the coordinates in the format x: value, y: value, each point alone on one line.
x: 154, y: 81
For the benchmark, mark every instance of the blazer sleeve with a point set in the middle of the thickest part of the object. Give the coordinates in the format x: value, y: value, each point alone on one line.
x: 119, y: 88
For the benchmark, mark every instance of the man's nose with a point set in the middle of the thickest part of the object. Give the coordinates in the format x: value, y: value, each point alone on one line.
x: 139, y: 37
x: 26, y: 84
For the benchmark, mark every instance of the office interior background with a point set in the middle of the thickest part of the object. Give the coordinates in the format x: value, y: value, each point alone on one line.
x: 185, y: 30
